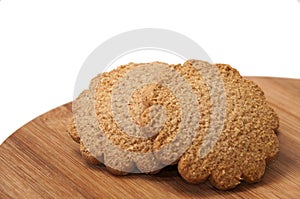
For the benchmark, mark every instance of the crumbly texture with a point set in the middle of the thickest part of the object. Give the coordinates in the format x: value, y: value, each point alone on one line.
x: 238, y: 153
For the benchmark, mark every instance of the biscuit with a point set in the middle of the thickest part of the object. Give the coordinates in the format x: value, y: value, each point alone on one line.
x: 247, y: 140
x: 144, y: 102
x: 142, y: 117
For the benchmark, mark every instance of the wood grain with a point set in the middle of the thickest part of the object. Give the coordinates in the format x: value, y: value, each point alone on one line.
x: 41, y: 160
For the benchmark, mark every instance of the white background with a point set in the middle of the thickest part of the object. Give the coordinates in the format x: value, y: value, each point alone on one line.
x: 44, y: 43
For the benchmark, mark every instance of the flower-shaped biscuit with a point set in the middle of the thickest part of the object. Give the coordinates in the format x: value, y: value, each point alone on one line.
x: 247, y: 140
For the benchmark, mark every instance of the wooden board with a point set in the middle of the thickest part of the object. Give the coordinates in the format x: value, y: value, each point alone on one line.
x: 41, y: 160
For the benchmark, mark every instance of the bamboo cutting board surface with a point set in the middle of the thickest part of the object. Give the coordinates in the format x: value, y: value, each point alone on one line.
x: 41, y: 160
